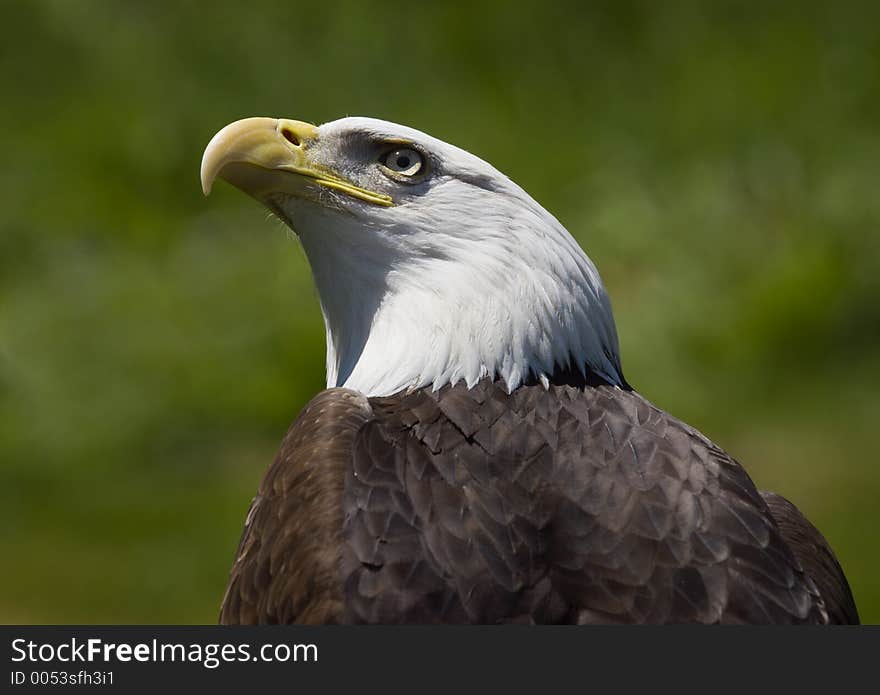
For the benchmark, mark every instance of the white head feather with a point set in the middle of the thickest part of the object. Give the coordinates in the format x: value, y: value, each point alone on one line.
x: 466, y: 276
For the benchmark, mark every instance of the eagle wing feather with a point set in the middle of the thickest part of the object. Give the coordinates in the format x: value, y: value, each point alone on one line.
x: 559, y: 505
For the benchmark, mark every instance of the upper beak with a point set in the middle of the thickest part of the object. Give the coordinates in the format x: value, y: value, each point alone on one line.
x: 262, y: 156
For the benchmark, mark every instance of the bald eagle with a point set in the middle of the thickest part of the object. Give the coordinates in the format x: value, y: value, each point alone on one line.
x: 478, y: 455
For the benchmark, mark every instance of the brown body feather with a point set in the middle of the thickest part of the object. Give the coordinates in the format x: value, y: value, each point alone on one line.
x: 573, y: 504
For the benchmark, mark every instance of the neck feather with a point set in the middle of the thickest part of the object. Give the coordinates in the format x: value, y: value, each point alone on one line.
x: 465, y: 310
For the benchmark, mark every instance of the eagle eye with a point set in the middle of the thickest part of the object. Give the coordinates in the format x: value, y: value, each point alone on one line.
x: 403, y: 161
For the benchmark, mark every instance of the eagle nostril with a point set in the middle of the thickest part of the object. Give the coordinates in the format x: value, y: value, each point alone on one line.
x: 291, y: 137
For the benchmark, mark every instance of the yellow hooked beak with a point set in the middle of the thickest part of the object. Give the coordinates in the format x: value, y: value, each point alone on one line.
x: 264, y: 156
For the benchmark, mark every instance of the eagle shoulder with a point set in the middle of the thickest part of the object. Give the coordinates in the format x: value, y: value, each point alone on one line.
x: 815, y: 555
x: 286, y: 566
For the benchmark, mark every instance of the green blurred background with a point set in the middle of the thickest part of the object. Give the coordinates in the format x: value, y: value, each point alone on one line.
x: 718, y: 161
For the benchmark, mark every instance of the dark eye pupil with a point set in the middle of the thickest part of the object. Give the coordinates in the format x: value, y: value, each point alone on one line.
x: 403, y: 162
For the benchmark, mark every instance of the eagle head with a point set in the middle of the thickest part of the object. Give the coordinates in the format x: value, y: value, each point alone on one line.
x: 432, y: 266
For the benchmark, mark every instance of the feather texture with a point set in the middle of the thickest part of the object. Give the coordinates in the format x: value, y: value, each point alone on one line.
x: 573, y: 504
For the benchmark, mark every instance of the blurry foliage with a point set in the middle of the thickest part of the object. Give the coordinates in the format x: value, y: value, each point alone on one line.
x: 719, y: 162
